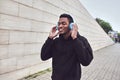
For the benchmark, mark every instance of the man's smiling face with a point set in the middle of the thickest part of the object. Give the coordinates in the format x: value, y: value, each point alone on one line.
x: 63, y: 25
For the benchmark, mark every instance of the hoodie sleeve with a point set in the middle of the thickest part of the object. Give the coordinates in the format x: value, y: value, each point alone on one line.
x: 46, y: 51
x: 83, y: 50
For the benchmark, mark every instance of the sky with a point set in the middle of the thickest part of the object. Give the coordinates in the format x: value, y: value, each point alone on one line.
x: 107, y: 10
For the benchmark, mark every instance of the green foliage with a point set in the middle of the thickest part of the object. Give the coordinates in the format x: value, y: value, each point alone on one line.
x: 105, y: 25
x: 118, y: 34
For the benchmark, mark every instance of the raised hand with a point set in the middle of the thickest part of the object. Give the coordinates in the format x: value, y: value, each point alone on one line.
x: 74, y: 31
x: 53, y: 33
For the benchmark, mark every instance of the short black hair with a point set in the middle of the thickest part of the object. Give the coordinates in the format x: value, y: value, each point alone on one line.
x: 67, y: 16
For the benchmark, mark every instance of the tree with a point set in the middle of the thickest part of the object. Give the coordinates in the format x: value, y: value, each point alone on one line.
x: 105, y: 25
x: 119, y: 37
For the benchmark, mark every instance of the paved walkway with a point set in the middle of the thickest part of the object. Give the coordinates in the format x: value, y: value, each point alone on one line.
x: 105, y: 66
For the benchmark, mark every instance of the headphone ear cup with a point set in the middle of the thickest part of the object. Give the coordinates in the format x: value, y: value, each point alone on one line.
x: 70, y: 26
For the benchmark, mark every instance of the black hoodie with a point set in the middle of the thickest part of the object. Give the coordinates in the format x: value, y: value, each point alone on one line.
x: 67, y: 55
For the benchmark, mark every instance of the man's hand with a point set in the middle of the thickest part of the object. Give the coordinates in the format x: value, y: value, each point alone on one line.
x: 74, y: 31
x: 53, y: 33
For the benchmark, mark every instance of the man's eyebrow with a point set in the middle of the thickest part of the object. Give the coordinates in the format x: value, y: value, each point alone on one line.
x: 61, y: 22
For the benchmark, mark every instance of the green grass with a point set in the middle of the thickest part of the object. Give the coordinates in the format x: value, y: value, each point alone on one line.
x: 38, y: 74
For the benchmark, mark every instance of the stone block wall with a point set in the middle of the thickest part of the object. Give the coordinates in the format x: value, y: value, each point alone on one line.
x: 25, y: 25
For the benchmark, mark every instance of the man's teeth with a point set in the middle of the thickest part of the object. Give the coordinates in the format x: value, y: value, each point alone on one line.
x: 60, y: 29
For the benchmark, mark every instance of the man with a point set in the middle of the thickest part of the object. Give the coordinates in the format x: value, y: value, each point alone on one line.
x: 67, y: 51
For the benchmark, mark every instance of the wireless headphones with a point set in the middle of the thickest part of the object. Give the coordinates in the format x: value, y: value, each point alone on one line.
x: 70, y: 26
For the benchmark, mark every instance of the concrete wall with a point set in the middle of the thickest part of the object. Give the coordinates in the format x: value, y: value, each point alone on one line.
x: 24, y: 26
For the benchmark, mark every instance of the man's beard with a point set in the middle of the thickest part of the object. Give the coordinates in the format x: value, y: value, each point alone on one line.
x: 66, y: 32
